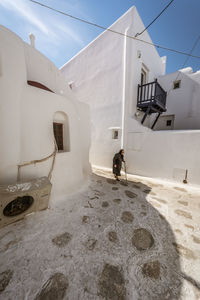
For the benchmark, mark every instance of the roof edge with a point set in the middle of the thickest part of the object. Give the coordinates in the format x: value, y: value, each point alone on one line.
x: 132, y: 8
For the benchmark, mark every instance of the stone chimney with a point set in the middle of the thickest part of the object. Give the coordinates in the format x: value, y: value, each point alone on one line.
x: 32, y: 40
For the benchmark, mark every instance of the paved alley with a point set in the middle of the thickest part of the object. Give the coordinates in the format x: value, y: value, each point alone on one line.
x: 113, y: 240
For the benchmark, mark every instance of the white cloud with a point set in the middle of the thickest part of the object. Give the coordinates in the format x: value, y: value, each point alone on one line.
x: 24, y: 10
x: 53, y: 27
x: 63, y: 30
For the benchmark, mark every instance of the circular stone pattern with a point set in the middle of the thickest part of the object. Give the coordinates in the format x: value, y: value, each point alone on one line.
x: 112, y: 283
x: 5, y: 278
x: 114, y: 188
x: 130, y: 194
x: 90, y: 244
x: 105, y: 204
x: 112, y: 236
x: 111, y: 181
x: 62, y: 240
x: 142, y: 239
x: 151, y: 269
x: 117, y: 200
x: 127, y: 217
x: 85, y: 219
x: 54, y: 288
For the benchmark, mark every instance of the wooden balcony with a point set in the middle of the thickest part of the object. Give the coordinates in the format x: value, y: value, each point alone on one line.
x: 151, y: 98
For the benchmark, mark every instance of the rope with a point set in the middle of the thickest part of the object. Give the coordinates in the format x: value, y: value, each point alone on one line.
x: 53, y: 161
x: 33, y: 162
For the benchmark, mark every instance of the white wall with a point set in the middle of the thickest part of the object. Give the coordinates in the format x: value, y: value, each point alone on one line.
x: 152, y: 61
x: 183, y: 102
x: 165, y: 154
x: 27, y: 114
x: 47, y: 74
x: 12, y: 81
x: 105, y: 75
x: 195, y: 76
x: 97, y: 73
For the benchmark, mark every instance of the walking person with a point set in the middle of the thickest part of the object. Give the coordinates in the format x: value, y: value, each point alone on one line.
x: 117, y: 163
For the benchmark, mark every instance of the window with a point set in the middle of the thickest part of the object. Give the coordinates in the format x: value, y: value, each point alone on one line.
x: 144, y: 74
x: 169, y: 122
x: 176, y: 84
x: 61, y: 130
x: 115, y: 134
x: 58, y: 133
x: 143, y: 77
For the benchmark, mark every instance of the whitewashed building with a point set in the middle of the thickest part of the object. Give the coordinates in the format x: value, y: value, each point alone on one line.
x: 183, y: 100
x: 106, y: 75
x: 37, y: 105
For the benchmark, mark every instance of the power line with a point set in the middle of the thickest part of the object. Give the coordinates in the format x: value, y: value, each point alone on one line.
x: 186, y: 60
x: 113, y: 31
x: 155, y: 18
x: 194, y: 46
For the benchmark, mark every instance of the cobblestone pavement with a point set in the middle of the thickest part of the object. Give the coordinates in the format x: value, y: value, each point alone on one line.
x: 113, y: 240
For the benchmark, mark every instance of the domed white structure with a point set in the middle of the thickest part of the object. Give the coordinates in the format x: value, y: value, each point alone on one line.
x: 37, y: 104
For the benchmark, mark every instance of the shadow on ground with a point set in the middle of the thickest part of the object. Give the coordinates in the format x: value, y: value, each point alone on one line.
x: 114, y: 245
x: 145, y: 261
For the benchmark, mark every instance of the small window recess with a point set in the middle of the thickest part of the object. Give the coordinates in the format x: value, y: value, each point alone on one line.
x: 58, y: 134
x: 168, y: 122
x: 176, y: 84
x: 61, y: 131
x: 115, y: 134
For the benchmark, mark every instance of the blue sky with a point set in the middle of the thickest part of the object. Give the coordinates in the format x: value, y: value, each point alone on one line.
x: 60, y: 38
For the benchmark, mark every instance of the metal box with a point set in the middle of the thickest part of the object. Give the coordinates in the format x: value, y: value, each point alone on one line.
x: 20, y: 199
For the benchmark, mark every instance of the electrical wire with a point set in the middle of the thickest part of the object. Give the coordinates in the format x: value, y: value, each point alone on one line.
x: 186, y: 60
x: 155, y: 18
x: 113, y: 31
x: 194, y: 46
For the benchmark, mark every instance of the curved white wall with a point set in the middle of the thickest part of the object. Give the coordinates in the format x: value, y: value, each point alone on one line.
x: 27, y: 114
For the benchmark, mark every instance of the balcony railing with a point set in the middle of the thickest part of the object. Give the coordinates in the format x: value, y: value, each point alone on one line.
x: 151, y: 96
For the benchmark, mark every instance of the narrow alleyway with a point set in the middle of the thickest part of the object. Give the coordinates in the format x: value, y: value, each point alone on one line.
x: 109, y: 241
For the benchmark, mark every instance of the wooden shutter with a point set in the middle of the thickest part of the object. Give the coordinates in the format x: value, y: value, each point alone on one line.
x: 58, y: 133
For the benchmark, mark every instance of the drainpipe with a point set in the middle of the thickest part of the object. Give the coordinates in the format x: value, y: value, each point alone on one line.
x: 124, y: 90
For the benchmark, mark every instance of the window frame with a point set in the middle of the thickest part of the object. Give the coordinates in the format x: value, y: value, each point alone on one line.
x: 56, y: 124
x: 167, y: 123
x: 145, y: 73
